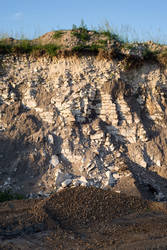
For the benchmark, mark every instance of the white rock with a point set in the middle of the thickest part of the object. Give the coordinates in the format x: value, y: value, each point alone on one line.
x: 60, y: 177
x: 83, y: 181
x: 54, y: 160
x: 116, y: 176
x: 108, y: 174
x: 66, y: 183
x: 50, y: 139
x: 118, y: 154
x: 76, y: 183
x: 110, y: 179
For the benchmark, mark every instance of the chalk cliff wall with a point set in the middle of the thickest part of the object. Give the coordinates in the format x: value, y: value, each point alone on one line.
x: 82, y: 121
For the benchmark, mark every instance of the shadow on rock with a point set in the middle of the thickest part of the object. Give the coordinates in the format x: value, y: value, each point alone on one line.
x: 151, y: 185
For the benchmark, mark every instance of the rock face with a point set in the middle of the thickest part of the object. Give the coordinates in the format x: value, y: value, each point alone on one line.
x: 81, y: 121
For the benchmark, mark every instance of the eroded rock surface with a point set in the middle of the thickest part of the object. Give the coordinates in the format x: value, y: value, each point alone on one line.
x: 82, y: 121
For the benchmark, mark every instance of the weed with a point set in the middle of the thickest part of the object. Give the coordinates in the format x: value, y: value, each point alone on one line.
x: 83, y: 25
x: 131, y: 62
x: 5, y: 48
x: 102, y: 43
x: 128, y: 46
x: 74, y: 27
x: 26, y: 47
x: 82, y: 34
x: 8, y: 195
x: 51, y: 49
x: 106, y: 34
x: 86, y: 48
x: 162, y: 57
x: 58, y: 34
x: 149, y: 54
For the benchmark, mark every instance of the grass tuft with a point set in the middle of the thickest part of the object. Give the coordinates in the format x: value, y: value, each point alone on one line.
x: 149, y: 54
x: 162, y: 57
x: 82, y: 34
x: 27, y: 47
x: 8, y: 195
x: 58, y: 34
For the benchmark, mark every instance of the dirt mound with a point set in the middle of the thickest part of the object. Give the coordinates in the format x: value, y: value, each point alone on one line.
x: 83, y: 218
x: 71, y: 38
x: 65, y: 39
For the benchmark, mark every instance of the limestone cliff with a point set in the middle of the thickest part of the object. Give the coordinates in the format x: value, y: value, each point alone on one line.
x: 82, y: 121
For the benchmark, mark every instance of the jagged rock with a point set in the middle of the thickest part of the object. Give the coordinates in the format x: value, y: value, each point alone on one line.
x: 66, y: 183
x: 50, y: 139
x: 83, y: 182
x: 60, y: 177
x: 81, y: 119
x: 54, y: 160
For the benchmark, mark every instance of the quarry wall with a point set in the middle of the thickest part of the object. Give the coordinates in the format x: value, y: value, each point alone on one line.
x: 81, y: 121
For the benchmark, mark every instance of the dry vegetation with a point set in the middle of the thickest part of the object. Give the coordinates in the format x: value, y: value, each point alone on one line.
x: 80, y: 41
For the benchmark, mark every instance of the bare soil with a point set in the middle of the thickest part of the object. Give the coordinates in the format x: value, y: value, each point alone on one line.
x: 83, y: 218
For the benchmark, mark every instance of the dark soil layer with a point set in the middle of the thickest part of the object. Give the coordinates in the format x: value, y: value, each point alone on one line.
x: 83, y: 218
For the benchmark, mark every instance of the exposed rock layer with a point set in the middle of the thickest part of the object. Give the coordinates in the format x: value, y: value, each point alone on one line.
x: 82, y: 121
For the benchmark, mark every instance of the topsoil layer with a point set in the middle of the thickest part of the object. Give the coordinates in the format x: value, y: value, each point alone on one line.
x: 83, y: 218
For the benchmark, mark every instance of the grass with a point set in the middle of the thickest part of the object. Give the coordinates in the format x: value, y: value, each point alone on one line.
x: 86, y: 48
x: 8, y: 195
x: 81, y: 33
x: 58, y: 34
x: 149, y: 54
x: 27, y: 47
x: 98, y: 46
x: 102, y: 42
x: 162, y: 57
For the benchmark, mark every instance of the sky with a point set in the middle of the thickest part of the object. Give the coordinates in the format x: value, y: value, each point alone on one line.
x: 140, y: 20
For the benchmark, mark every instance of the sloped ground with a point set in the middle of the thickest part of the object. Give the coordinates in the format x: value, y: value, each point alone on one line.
x: 83, y: 218
x: 82, y: 121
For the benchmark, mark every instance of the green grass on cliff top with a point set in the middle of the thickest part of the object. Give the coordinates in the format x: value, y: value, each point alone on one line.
x: 29, y: 47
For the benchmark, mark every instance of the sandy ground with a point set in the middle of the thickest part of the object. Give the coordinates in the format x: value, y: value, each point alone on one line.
x: 83, y: 218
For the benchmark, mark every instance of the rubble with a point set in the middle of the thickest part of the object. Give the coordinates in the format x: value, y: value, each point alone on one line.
x: 80, y: 121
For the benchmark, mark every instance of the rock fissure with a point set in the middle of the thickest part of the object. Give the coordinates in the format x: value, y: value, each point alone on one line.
x: 82, y: 121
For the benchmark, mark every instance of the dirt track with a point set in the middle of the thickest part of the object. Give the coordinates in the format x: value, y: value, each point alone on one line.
x: 83, y: 218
